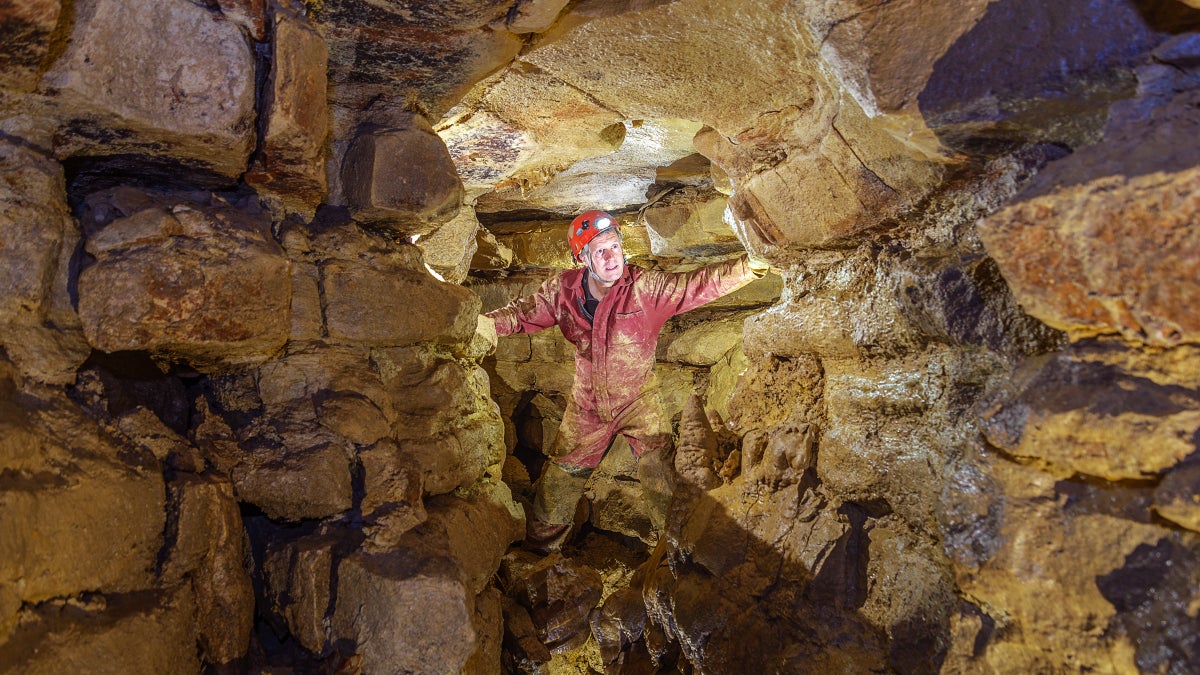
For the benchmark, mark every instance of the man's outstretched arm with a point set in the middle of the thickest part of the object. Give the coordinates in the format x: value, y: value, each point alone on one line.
x: 528, y: 314
x: 679, y: 293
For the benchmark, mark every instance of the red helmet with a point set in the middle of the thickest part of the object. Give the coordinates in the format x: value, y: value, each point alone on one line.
x: 586, y: 227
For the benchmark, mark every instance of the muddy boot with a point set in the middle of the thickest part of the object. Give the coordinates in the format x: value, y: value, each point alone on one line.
x: 557, y: 493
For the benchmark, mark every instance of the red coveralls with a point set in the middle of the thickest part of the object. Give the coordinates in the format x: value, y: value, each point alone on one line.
x: 615, y: 390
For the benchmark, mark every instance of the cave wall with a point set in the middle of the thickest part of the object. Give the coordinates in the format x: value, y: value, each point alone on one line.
x: 245, y: 425
x: 238, y: 431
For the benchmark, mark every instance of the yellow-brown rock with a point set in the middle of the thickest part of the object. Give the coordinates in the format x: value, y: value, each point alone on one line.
x: 187, y: 280
x: 291, y: 161
x: 401, y: 178
x: 159, y: 77
x: 27, y: 27
x: 38, y: 326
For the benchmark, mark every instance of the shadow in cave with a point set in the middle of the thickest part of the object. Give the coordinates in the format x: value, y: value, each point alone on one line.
x: 779, y: 588
x: 1035, y: 72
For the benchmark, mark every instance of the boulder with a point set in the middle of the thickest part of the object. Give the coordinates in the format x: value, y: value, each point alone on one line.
x: 1085, y: 417
x: 1177, y: 498
x: 450, y: 249
x: 401, y: 179
x: 393, y: 491
x: 689, y: 222
x: 39, y: 328
x: 413, y: 607
x: 703, y: 343
x: 157, y: 78
x: 311, y: 481
x: 187, y: 280
x: 559, y: 595
x: 404, y: 612
x: 1102, y: 240
x: 299, y: 574
x: 393, y: 301
x: 1078, y: 568
x: 81, y: 512
x: 291, y: 163
x: 209, y: 547
x: 335, y: 388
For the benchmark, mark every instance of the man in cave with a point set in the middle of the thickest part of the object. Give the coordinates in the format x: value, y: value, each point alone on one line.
x: 613, y: 313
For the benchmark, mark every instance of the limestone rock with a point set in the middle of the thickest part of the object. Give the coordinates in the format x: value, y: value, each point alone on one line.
x: 617, y: 496
x: 490, y: 254
x: 534, y: 16
x: 450, y: 249
x: 334, y: 388
x: 249, y: 14
x: 696, y: 454
x: 452, y: 48
x: 704, y: 343
x: 136, y: 632
x: 981, y: 90
x: 393, y: 489
x: 1062, y: 557
x: 521, y: 642
x: 489, y: 629
x: 1102, y: 241
x: 311, y: 482
x: 1091, y: 418
x: 873, y: 304
x: 209, y: 547
x: 291, y: 164
x: 307, y: 321
x: 401, y: 179
x: 727, y: 561
x: 155, y: 77
x: 201, y: 282
x: 474, y: 529
x: 523, y: 147
x: 1177, y: 497
x: 1059, y: 252
x: 299, y: 573
x: 380, y: 296
x: 412, y: 608
x: 27, y: 27
x: 384, y: 607
x: 81, y: 513
x: 40, y: 330
x: 688, y: 224
x: 559, y: 596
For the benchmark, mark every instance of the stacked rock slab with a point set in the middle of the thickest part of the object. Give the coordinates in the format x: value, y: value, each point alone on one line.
x: 215, y: 394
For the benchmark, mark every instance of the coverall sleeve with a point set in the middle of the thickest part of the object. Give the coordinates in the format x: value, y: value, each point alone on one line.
x: 681, y: 292
x: 529, y: 314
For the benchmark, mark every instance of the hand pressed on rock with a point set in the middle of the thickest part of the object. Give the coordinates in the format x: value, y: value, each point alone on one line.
x: 485, y: 332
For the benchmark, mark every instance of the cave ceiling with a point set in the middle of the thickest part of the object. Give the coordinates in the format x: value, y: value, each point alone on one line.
x: 550, y: 107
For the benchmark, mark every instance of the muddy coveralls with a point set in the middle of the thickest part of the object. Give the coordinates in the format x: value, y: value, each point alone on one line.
x: 615, y: 390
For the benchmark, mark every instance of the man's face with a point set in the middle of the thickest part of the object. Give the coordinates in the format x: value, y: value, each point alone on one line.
x: 606, y: 257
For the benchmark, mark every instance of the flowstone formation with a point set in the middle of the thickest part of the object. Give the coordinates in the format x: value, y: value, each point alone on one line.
x: 248, y: 423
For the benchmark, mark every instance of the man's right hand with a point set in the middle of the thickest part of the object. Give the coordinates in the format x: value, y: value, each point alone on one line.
x: 485, y: 335
x: 757, y: 265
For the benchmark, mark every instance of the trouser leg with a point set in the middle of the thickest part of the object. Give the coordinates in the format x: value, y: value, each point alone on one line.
x: 581, y: 443
x: 649, y: 434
